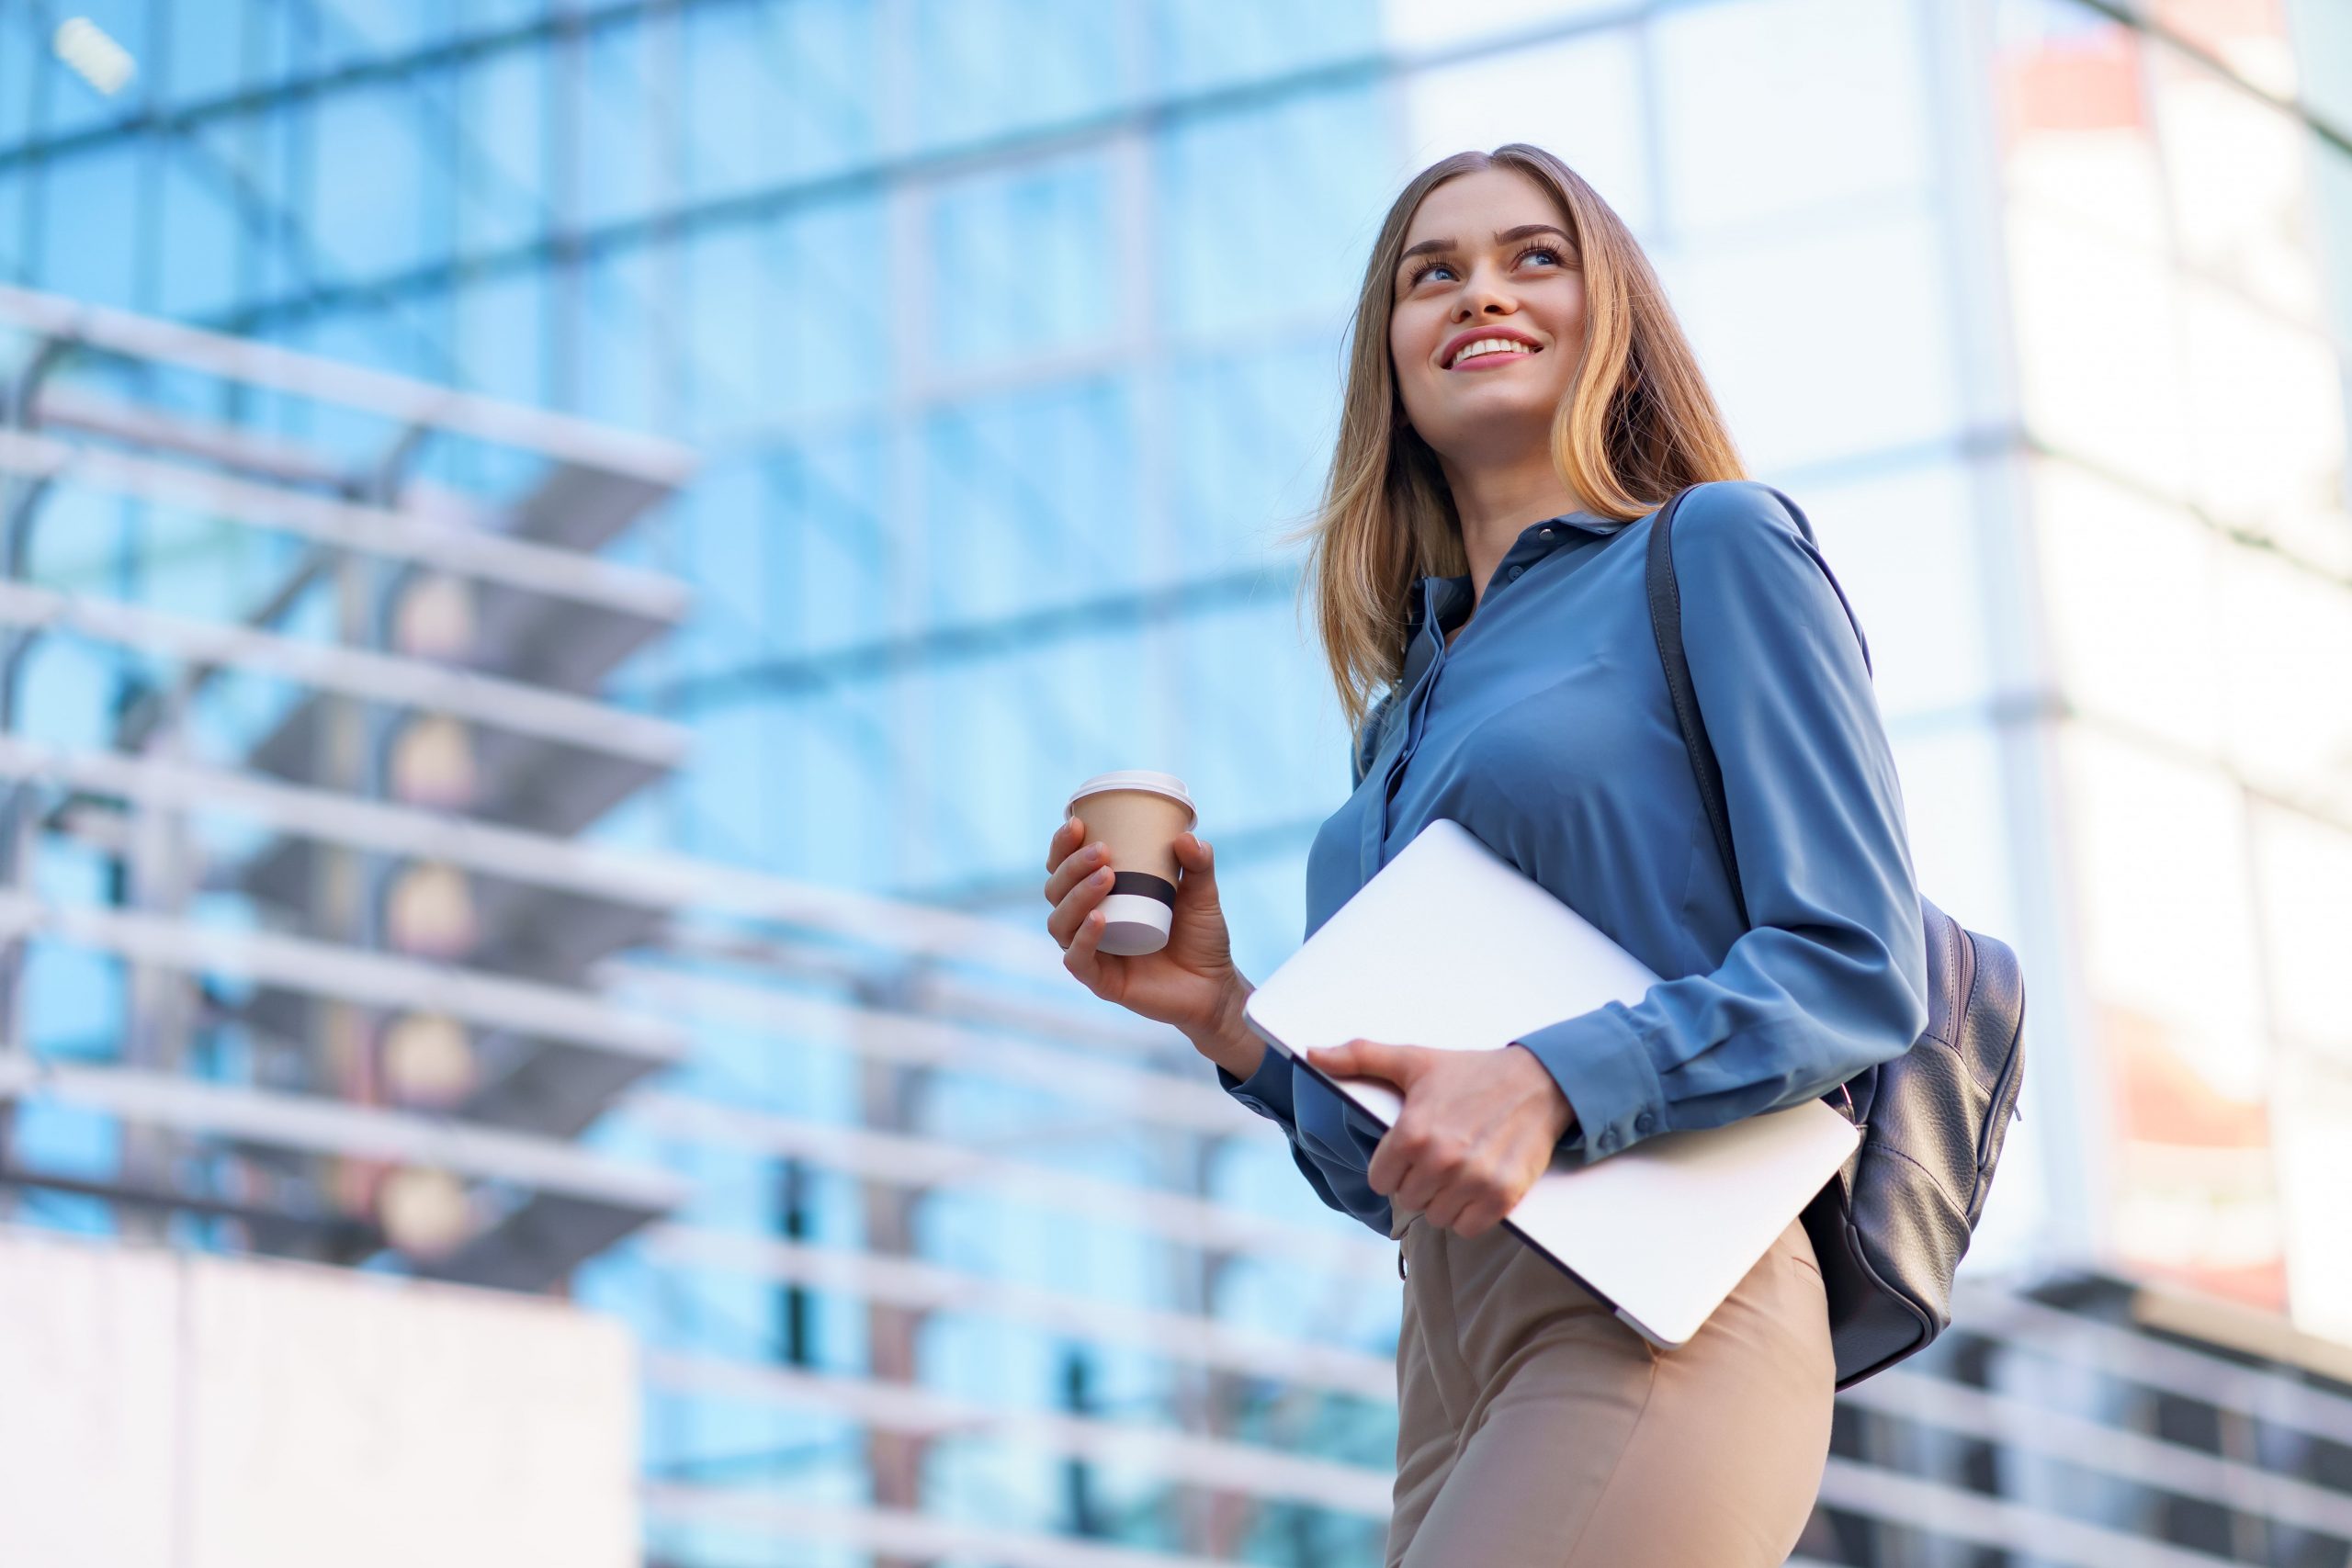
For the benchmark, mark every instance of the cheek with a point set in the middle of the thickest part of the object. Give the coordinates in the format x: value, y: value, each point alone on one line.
x: 1404, y: 346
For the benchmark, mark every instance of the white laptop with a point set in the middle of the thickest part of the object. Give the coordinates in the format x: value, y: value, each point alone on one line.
x: 1451, y: 946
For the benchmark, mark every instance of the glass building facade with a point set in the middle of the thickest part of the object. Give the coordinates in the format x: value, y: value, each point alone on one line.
x: 1005, y: 335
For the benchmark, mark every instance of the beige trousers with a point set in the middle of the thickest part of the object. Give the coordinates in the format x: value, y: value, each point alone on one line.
x: 1535, y: 1430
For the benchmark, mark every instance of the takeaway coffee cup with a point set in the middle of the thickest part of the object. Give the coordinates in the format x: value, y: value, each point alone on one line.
x: 1138, y: 816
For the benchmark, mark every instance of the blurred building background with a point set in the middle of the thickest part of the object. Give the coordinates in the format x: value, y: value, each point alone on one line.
x: 562, y: 559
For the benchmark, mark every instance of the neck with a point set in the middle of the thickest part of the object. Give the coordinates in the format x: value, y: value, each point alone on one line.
x: 1498, y: 502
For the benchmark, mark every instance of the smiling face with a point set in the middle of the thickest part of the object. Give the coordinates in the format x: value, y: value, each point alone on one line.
x: 1506, y: 269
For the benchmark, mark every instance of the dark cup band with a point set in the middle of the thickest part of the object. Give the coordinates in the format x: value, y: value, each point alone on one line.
x: 1145, y: 884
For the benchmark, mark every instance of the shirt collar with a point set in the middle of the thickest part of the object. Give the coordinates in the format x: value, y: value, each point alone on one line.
x: 1452, y: 596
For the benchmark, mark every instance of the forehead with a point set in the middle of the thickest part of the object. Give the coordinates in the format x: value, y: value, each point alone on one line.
x: 1470, y: 208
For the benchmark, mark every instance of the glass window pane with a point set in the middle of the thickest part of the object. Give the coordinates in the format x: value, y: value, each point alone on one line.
x: 616, y: 117
x: 205, y: 61
x: 2128, y: 583
x: 502, y: 180
x: 777, y: 91
x: 1023, y: 262
x: 2312, y: 1114
x: 1253, y: 427
x: 822, y: 360
x: 501, y: 336
x: 1825, y: 340
x: 623, y: 373
x: 1904, y: 547
x: 202, y: 236
x: 1442, y: 24
x: 373, y: 225
x: 1955, y: 810
x: 2265, y: 414
x: 1029, y: 499
x: 2161, y: 863
x: 1580, y: 99
x: 1267, y: 215
x: 1196, y: 44
x: 16, y: 262
x: 2098, y: 336
x: 23, y: 54
x: 834, y: 585
x: 2236, y: 175
x: 732, y: 364
x: 2305, y: 870
x: 83, y: 199
x: 2284, y: 636
x: 1777, y: 106
x: 984, y: 67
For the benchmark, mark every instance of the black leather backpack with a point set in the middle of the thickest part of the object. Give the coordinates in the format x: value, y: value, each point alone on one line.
x: 1890, y: 1229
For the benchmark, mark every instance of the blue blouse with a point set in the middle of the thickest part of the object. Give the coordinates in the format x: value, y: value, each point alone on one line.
x: 1546, y: 731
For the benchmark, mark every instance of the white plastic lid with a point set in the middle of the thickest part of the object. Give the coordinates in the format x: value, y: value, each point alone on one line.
x: 1168, y: 784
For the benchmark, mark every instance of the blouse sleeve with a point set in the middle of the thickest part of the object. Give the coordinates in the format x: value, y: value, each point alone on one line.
x: 1267, y: 1091
x: 1832, y: 974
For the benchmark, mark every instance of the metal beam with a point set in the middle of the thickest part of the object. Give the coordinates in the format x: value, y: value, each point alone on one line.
x: 2015, y: 1425
x: 401, y: 400
x: 900, y: 1533
x: 1247, y: 1469
x: 2020, y: 1324
x: 405, y: 536
x: 324, y: 969
x: 915, y: 1160
x: 558, y: 717
x: 936, y: 646
x: 1193, y: 1103
x: 600, y: 871
x: 2038, y: 1534
x: 584, y: 19
x: 924, y: 1286
x: 318, y: 1125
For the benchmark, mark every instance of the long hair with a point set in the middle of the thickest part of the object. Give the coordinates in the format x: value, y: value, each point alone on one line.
x: 1637, y: 424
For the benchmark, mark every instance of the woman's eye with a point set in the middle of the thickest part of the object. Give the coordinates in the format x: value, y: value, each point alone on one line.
x: 1428, y: 268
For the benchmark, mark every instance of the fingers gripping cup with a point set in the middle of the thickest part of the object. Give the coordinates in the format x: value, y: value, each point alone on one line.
x: 1138, y: 815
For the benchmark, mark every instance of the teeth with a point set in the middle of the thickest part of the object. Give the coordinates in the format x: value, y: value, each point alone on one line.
x: 1489, y: 345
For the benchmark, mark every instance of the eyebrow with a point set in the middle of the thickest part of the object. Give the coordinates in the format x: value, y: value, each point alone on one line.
x: 1502, y: 237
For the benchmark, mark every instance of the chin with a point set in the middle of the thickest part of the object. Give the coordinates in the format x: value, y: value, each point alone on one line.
x: 1480, y: 432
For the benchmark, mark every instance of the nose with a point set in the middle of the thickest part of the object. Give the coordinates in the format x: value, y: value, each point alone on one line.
x: 1481, y: 294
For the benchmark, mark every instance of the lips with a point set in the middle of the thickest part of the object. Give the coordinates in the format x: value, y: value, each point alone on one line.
x: 1460, y: 341
x: 1492, y: 356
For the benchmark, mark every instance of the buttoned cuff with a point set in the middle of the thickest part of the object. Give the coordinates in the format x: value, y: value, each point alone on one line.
x: 1266, y: 1090
x: 1599, y: 1063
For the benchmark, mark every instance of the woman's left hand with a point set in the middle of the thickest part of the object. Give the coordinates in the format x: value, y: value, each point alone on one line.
x: 1477, y: 1128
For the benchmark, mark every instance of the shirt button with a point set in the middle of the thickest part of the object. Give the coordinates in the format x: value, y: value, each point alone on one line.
x: 1645, y: 1122
x: 1516, y: 570
x: 1544, y: 533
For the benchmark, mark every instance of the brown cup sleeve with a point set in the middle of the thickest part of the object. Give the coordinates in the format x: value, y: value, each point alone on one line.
x: 1144, y: 883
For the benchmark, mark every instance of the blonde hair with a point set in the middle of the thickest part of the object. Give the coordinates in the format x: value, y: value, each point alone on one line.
x: 1638, y: 424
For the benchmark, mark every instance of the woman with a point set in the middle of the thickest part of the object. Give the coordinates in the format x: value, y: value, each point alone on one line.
x: 1531, y: 400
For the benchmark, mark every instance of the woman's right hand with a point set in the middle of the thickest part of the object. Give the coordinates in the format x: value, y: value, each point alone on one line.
x: 1191, y: 984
